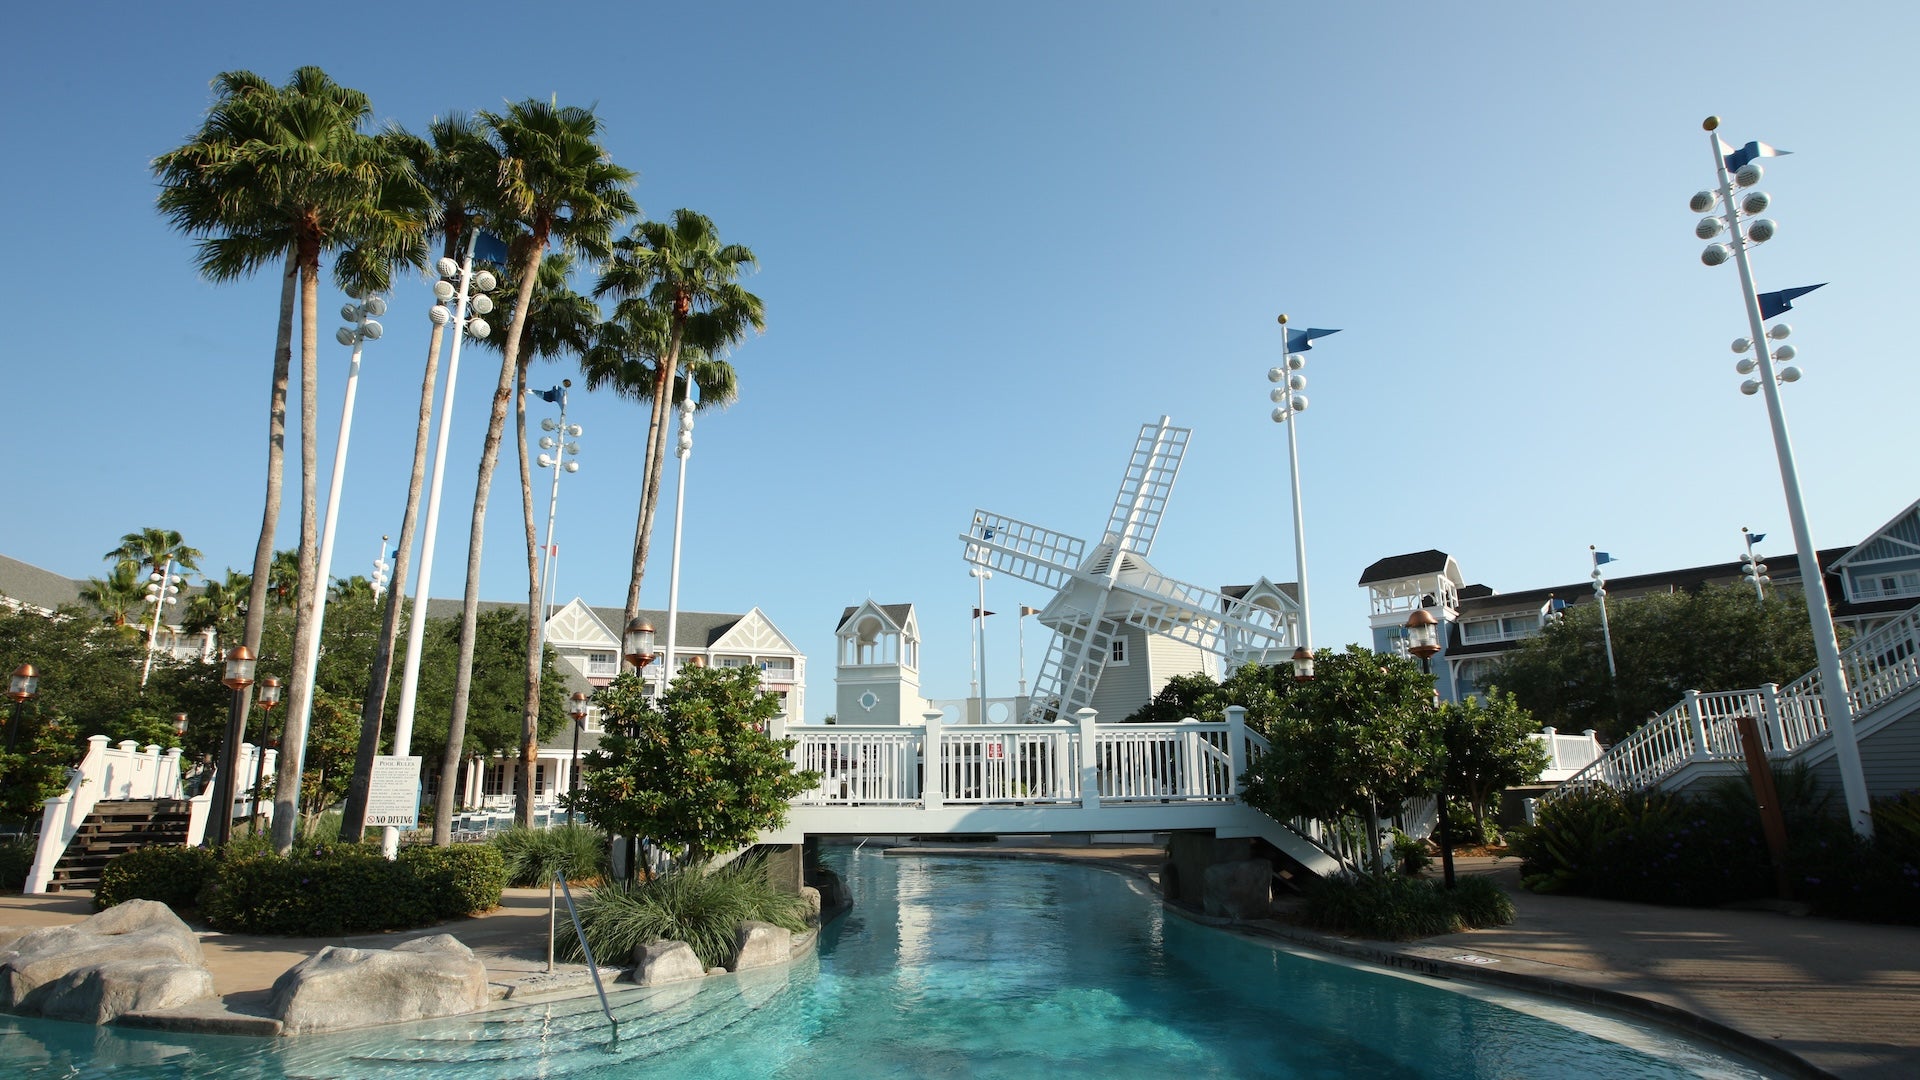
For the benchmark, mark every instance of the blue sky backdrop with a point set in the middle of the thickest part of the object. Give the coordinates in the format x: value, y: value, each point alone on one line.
x: 997, y: 237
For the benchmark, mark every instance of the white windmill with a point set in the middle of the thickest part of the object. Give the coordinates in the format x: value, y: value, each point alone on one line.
x: 1098, y: 592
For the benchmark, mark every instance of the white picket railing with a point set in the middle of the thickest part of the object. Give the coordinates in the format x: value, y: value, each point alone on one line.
x: 1879, y: 667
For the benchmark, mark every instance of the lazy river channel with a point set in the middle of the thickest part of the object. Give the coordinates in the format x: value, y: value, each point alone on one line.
x: 958, y: 968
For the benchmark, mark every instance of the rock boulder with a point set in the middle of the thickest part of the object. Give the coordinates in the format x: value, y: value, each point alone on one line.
x: 134, y: 955
x: 337, y: 989
x: 660, y: 962
x: 758, y: 945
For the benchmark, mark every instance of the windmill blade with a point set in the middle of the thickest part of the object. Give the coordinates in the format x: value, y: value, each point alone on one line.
x: 1199, y: 617
x: 1145, y: 487
x: 1075, y: 658
x: 1015, y: 548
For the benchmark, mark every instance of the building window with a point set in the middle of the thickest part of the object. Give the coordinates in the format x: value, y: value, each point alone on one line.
x: 495, y: 783
x: 602, y: 663
x: 777, y: 669
x: 868, y: 701
x: 1117, y: 652
x: 730, y: 661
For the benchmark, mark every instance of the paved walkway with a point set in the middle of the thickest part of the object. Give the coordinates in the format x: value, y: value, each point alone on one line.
x: 1844, y: 997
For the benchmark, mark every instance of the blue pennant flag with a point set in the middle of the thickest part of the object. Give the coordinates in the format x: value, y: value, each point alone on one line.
x: 1754, y: 538
x: 557, y: 395
x: 986, y: 532
x: 1781, y: 302
x: 490, y: 248
x: 1601, y: 558
x: 1302, y: 340
x: 1737, y: 158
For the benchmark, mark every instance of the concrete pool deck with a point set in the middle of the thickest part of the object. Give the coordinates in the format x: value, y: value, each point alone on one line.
x: 1843, y: 998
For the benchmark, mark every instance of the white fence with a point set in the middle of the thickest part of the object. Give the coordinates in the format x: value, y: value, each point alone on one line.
x: 1879, y: 667
x: 123, y: 772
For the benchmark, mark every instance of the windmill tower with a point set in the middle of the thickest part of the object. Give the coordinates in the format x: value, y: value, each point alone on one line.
x: 1098, y: 592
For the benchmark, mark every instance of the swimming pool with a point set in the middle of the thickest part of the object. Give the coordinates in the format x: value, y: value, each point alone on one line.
x: 958, y: 968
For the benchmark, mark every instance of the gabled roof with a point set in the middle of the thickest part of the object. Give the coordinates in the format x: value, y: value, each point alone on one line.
x: 1899, y: 538
x: 693, y: 629
x: 754, y: 633
x: 1414, y: 564
x: 898, y: 614
x: 1288, y: 589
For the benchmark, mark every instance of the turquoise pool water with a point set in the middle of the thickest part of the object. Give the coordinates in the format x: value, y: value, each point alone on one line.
x: 958, y: 968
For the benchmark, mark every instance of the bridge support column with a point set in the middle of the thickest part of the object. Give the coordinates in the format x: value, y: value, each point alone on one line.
x: 1089, y: 760
x: 1776, y: 731
x: 1236, y: 747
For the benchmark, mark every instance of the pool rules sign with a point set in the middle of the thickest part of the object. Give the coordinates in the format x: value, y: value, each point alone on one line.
x: 393, y: 792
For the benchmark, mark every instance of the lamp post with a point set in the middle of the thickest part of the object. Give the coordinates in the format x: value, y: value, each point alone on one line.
x: 161, y: 593
x: 636, y: 644
x: 20, y: 689
x: 576, y: 708
x: 1753, y: 571
x: 458, y: 280
x: 1741, y: 168
x: 1289, y: 403
x: 558, y: 441
x: 980, y: 574
x: 1601, y: 558
x: 381, y: 568
x: 239, y: 675
x: 362, y: 327
x: 266, y: 697
x: 681, y: 450
x: 1303, y: 664
x: 1423, y: 641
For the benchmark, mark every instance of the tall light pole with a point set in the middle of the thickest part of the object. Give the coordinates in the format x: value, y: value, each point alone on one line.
x: 1024, y: 612
x: 381, y: 568
x: 1601, y: 558
x: 557, y: 450
x: 1753, y: 571
x: 1741, y: 168
x: 162, y: 592
x: 1289, y: 403
x: 980, y: 574
x: 681, y: 450
x: 20, y: 689
x: 457, y: 282
x: 361, y: 328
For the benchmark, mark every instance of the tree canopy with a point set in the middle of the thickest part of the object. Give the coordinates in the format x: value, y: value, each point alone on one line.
x: 1719, y: 638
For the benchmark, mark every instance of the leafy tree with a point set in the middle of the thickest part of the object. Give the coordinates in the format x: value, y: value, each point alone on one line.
x: 497, y: 691
x: 1358, y: 739
x: 695, y: 773
x: 218, y: 604
x: 1263, y: 690
x: 1719, y: 638
x: 682, y: 270
x: 1488, y: 751
x: 556, y: 184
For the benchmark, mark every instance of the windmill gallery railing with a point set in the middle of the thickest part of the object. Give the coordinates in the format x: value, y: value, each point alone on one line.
x: 1077, y: 765
x: 1879, y: 667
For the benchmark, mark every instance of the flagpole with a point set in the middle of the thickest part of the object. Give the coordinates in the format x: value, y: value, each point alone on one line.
x: 981, y: 574
x: 1606, y: 632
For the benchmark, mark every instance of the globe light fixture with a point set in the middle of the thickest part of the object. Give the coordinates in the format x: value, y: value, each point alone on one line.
x: 636, y: 643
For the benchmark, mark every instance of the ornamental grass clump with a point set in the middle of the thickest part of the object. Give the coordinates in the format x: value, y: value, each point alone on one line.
x: 701, y: 909
x: 535, y: 856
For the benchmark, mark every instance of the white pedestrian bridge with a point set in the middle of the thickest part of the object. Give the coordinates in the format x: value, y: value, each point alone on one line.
x: 1076, y: 776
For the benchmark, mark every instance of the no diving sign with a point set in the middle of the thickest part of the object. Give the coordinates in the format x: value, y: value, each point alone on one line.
x: 393, y: 792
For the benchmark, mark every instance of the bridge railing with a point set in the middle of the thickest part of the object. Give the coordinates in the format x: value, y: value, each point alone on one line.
x: 1879, y: 667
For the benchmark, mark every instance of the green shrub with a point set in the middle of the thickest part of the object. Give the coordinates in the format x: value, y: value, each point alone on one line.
x: 532, y: 855
x: 1651, y: 847
x: 16, y: 859
x: 172, y: 875
x: 1410, y: 855
x: 456, y: 881
x: 330, y: 889
x: 687, y: 905
x: 1397, y: 908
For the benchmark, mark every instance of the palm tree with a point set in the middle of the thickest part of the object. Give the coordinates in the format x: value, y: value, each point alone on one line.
x: 682, y: 269
x: 458, y: 165
x: 154, y: 548
x: 119, y: 594
x: 556, y: 185
x: 283, y: 578
x: 287, y: 173
x: 625, y: 358
x: 217, y: 603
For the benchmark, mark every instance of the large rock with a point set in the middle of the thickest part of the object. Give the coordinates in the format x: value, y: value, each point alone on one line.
x: 100, y: 993
x: 1238, y: 890
x: 758, y: 945
x: 337, y: 989
x: 661, y: 962
x: 137, y: 932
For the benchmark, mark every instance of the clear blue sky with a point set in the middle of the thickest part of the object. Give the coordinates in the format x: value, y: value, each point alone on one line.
x: 997, y: 237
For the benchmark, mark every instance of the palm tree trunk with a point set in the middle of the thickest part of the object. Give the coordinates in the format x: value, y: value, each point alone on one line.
x: 293, y: 737
x: 470, y: 608
x: 224, y: 786
x: 651, y: 469
x: 353, y: 821
x: 536, y: 638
